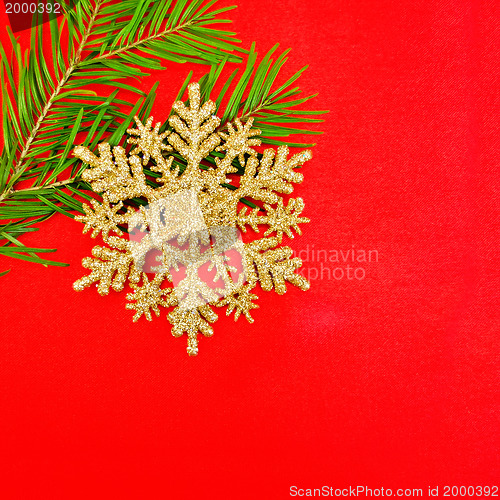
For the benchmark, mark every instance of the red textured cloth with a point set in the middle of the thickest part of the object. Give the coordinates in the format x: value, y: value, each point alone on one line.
x: 385, y: 379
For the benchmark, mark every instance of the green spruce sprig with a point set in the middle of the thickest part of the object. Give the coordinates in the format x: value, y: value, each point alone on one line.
x: 45, y: 110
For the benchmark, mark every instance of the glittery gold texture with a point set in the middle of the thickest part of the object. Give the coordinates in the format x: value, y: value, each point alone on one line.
x: 204, y: 210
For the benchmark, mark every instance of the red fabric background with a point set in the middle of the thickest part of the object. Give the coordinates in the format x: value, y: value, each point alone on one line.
x: 388, y: 381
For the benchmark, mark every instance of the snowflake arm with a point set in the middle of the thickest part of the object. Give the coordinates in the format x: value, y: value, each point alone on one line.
x: 149, y: 296
x: 192, y: 321
x: 272, y: 268
x: 148, y: 140
x: 103, y: 218
x: 240, y: 301
x: 274, y: 173
x: 281, y: 219
x: 194, y: 127
x: 110, y: 269
x: 120, y: 178
x: 240, y: 141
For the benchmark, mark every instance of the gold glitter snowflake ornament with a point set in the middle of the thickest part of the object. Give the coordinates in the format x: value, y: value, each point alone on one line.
x: 191, y: 219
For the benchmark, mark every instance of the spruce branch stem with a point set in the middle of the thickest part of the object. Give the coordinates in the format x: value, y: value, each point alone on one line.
x: 47, y: 186
x: 141, y: 42
x: 73, y: 65
x: 6, y: 194
x: 41, y: 117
